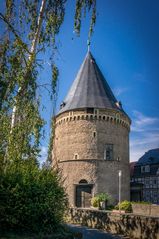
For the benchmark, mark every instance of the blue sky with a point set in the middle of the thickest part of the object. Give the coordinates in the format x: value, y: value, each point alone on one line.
x: 125, y: 45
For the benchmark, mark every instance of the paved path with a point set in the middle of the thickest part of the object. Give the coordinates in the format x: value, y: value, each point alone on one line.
x: 89, y: 233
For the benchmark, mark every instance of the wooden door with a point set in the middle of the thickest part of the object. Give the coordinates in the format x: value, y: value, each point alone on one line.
x: 83, y: 195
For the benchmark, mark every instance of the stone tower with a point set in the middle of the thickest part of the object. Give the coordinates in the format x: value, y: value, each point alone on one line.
x: 91, y: 142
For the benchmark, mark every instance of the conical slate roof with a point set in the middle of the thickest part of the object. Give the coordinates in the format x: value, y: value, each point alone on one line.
x: 89, y: 89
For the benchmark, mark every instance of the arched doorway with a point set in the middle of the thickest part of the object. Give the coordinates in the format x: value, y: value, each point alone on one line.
x: 83, y: 194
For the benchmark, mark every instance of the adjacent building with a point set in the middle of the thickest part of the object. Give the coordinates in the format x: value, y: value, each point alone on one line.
x: 91, y: 141
x: 145, y: 178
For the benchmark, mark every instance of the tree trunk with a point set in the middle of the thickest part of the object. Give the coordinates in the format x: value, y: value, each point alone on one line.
x: 30, y: 58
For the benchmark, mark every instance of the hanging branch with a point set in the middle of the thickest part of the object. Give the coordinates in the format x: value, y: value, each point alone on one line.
x: 38, y: 23
x: 30, y: 60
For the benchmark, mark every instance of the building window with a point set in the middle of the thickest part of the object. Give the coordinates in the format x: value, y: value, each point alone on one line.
x: 108, y: 152
x: 145, y: 169
x: 76, y: 156
x: 155, y: 181
x: 94, y: 134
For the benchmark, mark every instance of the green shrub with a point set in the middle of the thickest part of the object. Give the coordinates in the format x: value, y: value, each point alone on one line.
x: 101, y: 197
x: 124, y: 205
x: 95, y: 202
x: 104, y: 197
x: 110, y: 207
x: 32, y: 199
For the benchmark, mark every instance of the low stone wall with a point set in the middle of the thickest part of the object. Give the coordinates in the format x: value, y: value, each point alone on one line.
x: 134, y: 226
x: 146, y: 209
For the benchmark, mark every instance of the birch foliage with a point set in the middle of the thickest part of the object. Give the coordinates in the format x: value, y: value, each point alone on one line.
x: 29, y: 28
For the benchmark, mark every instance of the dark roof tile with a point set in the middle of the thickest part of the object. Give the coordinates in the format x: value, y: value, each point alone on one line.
x: 90, y: 89
x: 150, y: 157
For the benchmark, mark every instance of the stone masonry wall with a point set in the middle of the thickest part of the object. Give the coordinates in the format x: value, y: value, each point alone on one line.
x: 79, y: 144
x: 131, y: 225
x: 145, y: 209
x: 73, y: 172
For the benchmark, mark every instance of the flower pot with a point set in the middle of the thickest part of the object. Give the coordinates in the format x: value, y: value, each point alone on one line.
x: 103, y: 205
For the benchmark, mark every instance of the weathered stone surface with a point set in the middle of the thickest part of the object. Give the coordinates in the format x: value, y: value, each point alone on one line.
x: 146, y: 209
x: 134, y: 226
x: 79, y: 144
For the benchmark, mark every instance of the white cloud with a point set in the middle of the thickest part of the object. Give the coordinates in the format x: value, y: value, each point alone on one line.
x: 144, y: 136
x: 142, y: 122
x: 119, y: 90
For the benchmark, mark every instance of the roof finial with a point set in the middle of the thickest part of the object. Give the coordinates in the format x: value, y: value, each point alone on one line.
x: 88, y: 45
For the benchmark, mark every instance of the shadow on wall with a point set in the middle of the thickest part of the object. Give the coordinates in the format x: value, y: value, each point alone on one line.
x: 134, y: 226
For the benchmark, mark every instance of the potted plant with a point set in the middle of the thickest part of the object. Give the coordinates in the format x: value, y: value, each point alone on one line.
x: 101, y: 200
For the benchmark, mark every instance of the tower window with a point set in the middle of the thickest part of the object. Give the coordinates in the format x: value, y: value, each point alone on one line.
x: 76, y: 156
x: 94, y: 134
x: 108, y: 152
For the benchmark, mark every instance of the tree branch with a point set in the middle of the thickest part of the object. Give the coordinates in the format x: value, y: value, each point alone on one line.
x: 2, y: 17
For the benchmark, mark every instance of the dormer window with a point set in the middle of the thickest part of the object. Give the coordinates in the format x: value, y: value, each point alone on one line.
x: 119, y: 104
x: 62, y: 104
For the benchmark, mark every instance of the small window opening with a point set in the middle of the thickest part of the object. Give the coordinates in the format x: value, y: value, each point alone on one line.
x: 83, y: 181
x: 62, y: 104
x: 76, y: 156
x: 94, y: 134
